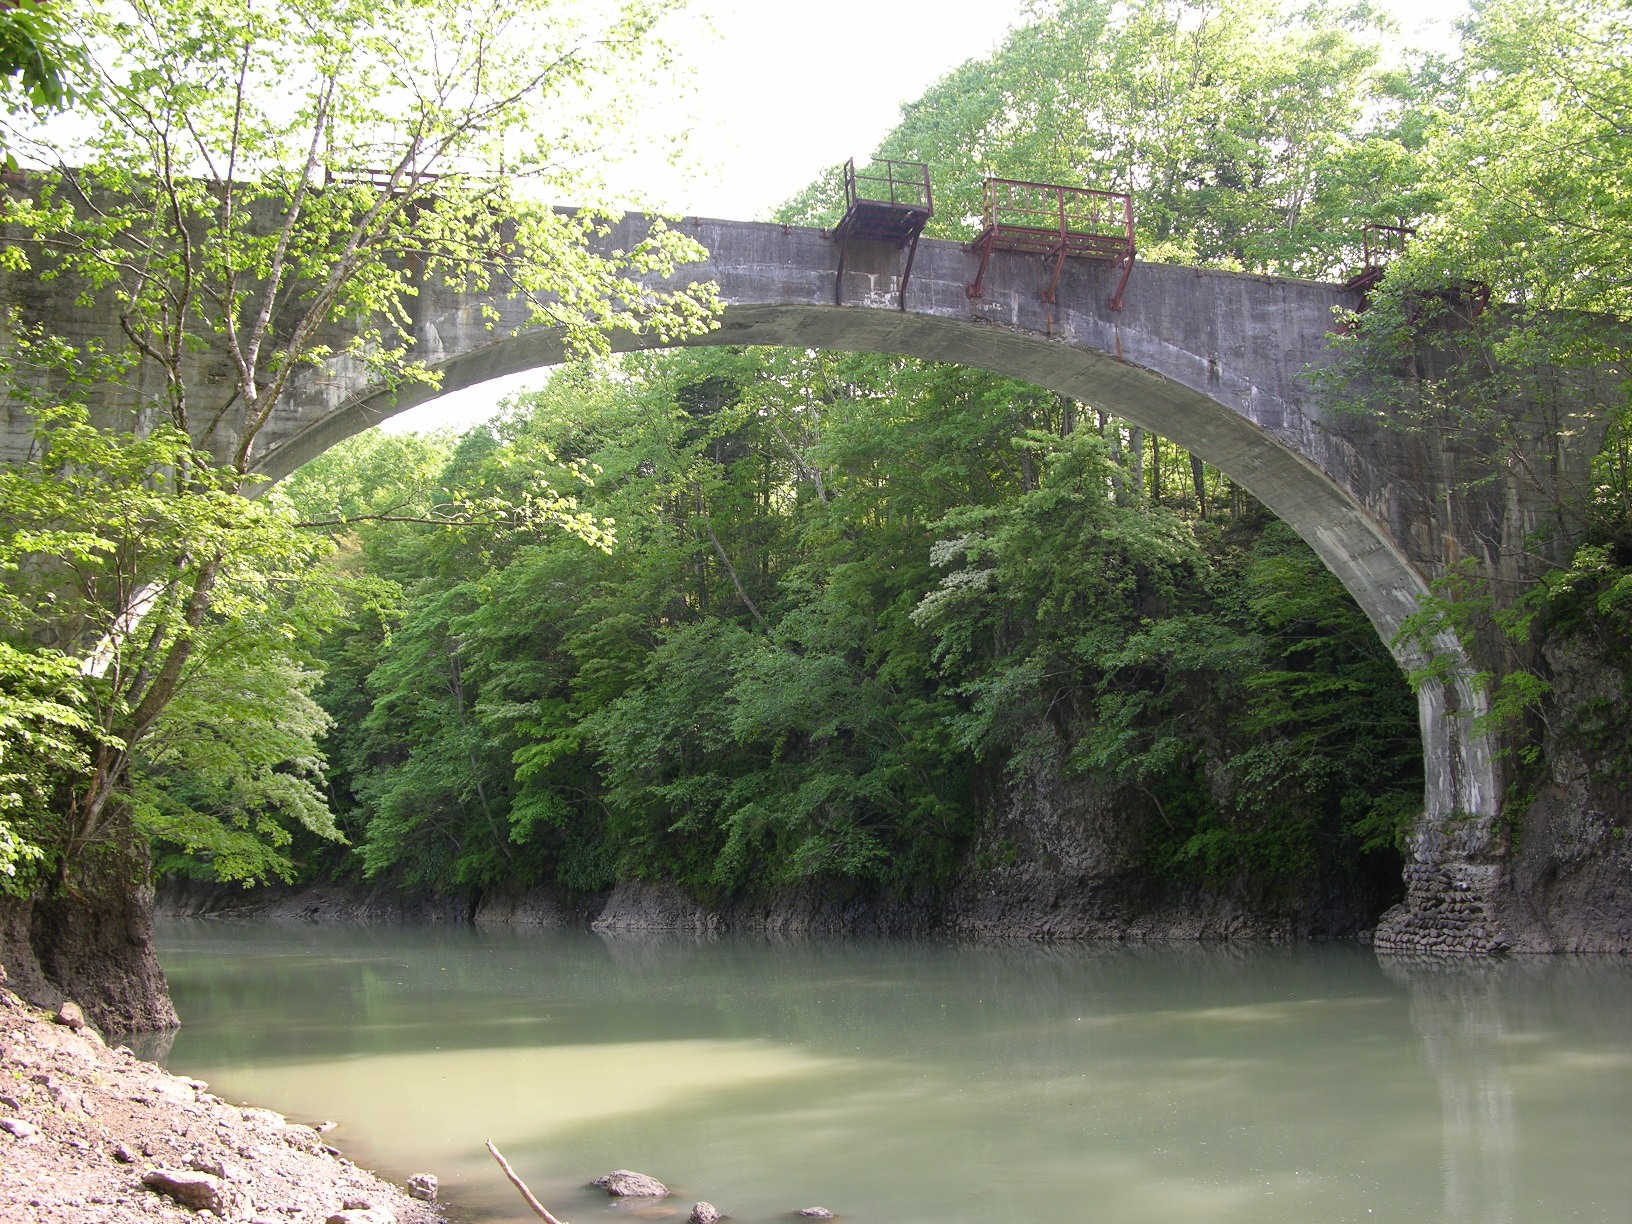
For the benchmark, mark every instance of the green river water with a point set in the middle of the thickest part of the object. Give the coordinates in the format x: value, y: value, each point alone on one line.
x: 904, y: 1083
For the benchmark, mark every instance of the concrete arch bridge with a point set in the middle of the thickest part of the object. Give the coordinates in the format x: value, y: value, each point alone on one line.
x: 1217, y: 362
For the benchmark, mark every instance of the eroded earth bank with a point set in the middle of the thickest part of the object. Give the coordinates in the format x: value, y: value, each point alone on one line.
x: 90, y: 1133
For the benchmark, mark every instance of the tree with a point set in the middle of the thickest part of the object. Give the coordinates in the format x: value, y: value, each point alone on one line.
x: 33, y: 58
x: 251, y: 174
x: 1527, y: 160
x: 1252, y: 134
x: 104, y: 554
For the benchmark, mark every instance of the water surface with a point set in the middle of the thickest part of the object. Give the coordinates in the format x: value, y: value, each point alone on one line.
x: 904, y: 1083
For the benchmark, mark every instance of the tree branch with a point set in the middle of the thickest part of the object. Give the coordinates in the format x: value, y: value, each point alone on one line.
x: 538, y: 1208
x: 735, y: 581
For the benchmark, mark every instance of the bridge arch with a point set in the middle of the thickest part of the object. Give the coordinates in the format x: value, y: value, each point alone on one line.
x: 1216, y: 361
x: 1355, y: 543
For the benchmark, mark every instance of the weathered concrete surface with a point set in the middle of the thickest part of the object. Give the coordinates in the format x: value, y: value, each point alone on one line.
x: 1218, y: 362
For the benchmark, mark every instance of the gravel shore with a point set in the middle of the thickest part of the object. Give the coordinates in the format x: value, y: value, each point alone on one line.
x: 91, y: 1134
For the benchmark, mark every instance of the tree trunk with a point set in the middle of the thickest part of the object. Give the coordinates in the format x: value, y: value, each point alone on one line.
x: 1111, y: 431
x: 1028, y: 472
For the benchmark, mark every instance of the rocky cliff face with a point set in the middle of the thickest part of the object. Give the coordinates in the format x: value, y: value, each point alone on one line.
x: 95, y: 946
x: 1060, y: 858
x: 1570, y: 861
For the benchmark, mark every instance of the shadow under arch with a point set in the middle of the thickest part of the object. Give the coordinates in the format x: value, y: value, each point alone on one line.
x: 1459, y: 767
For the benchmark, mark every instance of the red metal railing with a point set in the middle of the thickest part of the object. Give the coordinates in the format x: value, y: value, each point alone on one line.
x: 1055, y: 221
x: 1039, y: 216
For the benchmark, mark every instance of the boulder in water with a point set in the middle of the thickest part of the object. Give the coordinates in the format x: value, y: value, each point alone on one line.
x: 623, y: 1183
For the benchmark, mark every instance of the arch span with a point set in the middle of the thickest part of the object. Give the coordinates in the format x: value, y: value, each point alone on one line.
x: 1216, y: 361
x: 1353, y: 543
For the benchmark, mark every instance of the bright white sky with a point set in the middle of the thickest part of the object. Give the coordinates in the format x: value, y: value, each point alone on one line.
x: 782, y: 91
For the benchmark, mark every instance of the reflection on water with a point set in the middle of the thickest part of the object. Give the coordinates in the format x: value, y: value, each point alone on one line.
x: 931, y: 1082
x: 1522, y: 1052
x: 1458, y: 1012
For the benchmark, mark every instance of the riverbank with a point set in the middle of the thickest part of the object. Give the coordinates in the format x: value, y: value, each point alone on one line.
x: 87, y: 1133
x: 1005, y: 904
x: 640, y: 907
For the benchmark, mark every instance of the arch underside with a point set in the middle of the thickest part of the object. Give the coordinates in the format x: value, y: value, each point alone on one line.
x: 1351, y: 542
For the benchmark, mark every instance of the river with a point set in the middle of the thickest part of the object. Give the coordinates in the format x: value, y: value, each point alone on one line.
x: 909, y: 1083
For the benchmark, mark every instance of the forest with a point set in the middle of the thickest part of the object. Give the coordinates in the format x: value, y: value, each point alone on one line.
x: 844, y: 596
x: 747, y: 619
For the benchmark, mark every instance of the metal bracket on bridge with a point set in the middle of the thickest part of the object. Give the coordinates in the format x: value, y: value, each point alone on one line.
x: 1054, y: 222
x: 1377, y: 243
x: 891, y: 202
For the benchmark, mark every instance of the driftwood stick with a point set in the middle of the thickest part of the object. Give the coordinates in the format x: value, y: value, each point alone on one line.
x: 538, y: 1207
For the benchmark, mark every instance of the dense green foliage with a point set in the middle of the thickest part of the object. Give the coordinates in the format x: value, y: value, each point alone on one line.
x: 847, y: 596
x: 32, y: 54
x: 107, y: 540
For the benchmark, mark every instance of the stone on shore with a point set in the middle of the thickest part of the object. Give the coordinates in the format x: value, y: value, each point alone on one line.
x: 362, y: 1211
x: 199, y: 1191
x: 422, y: 1186
x: 622, y: 1183
x: 218, y: 1168
x: 71, y: 1015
